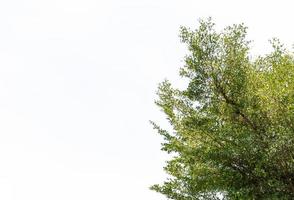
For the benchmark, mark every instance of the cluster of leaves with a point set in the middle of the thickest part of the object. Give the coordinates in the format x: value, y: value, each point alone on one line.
x: 233, y: 126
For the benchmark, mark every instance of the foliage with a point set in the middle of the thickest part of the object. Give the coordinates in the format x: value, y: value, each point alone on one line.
x: 233, y: 125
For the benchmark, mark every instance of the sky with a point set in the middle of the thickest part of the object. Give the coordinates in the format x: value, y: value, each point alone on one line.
x: 77, y: 87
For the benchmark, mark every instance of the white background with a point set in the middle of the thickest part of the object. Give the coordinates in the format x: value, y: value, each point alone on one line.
x: 77, y: 85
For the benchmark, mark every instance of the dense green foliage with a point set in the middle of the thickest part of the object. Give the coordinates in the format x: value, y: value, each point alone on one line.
x: 233, y: 125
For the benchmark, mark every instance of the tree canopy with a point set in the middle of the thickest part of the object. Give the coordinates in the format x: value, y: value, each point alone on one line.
x: 233, y: 125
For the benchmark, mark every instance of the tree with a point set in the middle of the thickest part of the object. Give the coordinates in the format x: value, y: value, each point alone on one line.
x: 233, y: 125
